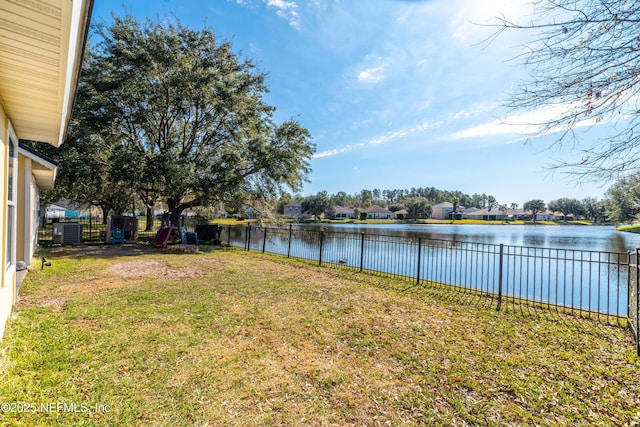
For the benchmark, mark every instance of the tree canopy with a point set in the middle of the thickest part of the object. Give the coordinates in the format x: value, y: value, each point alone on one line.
x: 583, y: 60
x: 567, y: 206
x: 180, y: 118
x: 534, y: 206
x: 623, y: 202
x: 317, y: 205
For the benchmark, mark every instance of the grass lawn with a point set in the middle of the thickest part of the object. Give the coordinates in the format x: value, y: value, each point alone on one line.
x: 141, y: 337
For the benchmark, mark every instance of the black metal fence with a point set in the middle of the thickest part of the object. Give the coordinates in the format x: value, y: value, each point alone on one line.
x: 93, y: 228
x: 634, y: 296
x: 601, y: 285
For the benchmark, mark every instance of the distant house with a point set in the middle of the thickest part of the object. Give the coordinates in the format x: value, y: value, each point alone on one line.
x: 559, y: 216
x: 62, y: 209
x: 444, y: 210
x: 293, y: 210
x: 545, y: 216
x: 341, y: 212
x: 441, y: 210
x: 401, y: 214
x: 498, y: 215
x: 468, y: 213
x: 486, y: 215
x: 54, y: 211
x: 378, y: 212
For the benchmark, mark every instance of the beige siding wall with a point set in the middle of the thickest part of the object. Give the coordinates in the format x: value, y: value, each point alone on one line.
x: 34, y: 218
x: 28, y: 210
x: 8, y: 278
x: 22, y: 225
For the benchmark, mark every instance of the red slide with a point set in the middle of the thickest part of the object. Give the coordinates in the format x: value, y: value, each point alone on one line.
x: 162, y: 237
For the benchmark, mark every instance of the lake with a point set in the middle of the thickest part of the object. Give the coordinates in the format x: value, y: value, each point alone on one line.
x: 569, y: 266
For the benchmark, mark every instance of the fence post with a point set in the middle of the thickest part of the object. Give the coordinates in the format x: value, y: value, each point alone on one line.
x: 247, y: 241
x: 362, y: 252
x: 419, y: 257
x: 289, y: 244
x: 500, y: 277
x: 321, y: 244
x: 637, y: 302
x: 90, y: 229
x: 264, y: 241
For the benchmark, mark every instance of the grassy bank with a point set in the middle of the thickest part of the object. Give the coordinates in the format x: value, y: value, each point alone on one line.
x: 237, y: 338
x: 631, y: 228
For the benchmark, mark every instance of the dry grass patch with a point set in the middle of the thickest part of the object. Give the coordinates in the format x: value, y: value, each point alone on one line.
x: 260, y: 340
x: 161, y: 270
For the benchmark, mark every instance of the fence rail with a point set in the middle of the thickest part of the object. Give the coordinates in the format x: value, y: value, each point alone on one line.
x: 601, y: 285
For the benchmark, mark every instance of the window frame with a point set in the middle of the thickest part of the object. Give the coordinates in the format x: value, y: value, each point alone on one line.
x: 10, y: 222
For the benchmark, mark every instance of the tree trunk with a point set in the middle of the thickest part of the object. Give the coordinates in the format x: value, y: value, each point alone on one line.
x: 149, y: 226
x: 105, y: 213
x: 172, y: 205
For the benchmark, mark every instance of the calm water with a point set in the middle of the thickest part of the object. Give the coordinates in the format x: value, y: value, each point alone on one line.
x: 564, y: 265
x: 594, y: 238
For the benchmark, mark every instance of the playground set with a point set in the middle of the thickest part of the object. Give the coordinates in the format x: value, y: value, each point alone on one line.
x: 172, y: 227
x: 124, y: 229
x: 121, y: 229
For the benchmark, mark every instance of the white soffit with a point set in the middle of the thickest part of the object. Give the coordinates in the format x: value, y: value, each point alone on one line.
x: 41, y: 46
x: 43, y: 169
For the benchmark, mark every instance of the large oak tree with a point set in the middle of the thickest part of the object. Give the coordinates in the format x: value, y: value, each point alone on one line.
x: 182, y: 118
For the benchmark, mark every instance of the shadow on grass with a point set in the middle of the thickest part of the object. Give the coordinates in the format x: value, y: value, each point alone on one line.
x: 102, y: 250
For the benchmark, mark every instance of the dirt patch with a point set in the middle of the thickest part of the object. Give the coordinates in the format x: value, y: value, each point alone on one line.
x: 56, y: 303
x: 160, y: 269
x: 86, y: 324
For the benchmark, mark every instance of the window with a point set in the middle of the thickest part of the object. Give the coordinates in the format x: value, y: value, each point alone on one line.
x: 11, y: 204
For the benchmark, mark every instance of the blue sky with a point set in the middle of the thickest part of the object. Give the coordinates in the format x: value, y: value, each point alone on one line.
x: 395, y: 93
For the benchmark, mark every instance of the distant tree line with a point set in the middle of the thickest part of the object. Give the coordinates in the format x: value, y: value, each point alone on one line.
x: 394, y: 200
x: 621, y: 203
x: 418, y: 202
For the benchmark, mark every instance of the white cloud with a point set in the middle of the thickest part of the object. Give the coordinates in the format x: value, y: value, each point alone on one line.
x: 382, y: 139
x: 286, y: 10
x: 418, y: 129
x: 336, y: 151
x: 371, y: 69
x: 372, y: 75
x: 493, y: 128
x: 525, y: 124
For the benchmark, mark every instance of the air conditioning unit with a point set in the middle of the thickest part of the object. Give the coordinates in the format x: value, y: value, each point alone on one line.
x: 67, y: 233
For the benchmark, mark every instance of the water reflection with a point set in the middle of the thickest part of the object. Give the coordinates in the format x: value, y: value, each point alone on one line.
x: 557, y: 265
x: 534, y: 240
x: 595, y: 238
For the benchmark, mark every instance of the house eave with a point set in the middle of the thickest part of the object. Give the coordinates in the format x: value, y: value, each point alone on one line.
x: 41, y: 49
x: 43, y: 169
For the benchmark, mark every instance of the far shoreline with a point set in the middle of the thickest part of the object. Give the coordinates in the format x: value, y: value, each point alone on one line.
x: 629, y: 228
x: 449, y: 222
